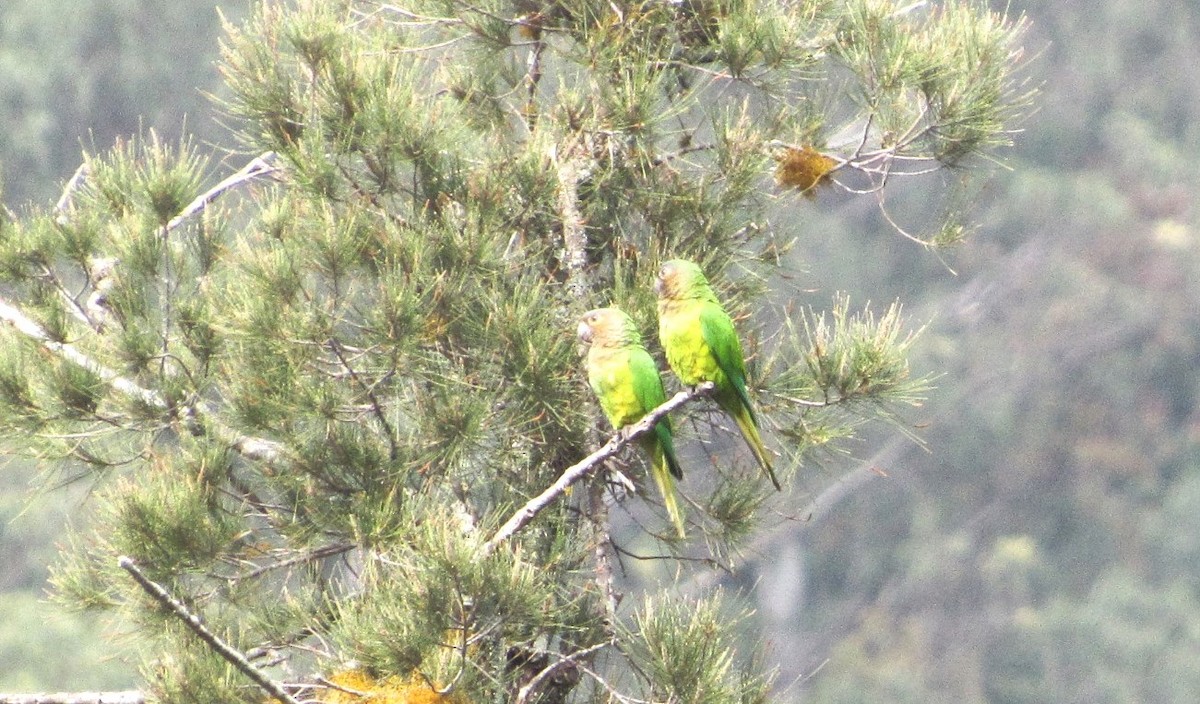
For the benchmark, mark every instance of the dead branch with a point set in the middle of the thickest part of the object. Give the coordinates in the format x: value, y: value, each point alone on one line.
x: 562, y: 663
x: 126, y: 697
x: 260, y: 165
x: 231, y: 655
x: 66, y: 200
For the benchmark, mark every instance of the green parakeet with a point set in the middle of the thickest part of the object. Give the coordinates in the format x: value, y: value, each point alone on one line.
x: 626, y: 381
x: 701, y: 345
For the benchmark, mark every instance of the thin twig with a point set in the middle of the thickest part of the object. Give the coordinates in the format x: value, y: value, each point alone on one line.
x: 318, y: 554
x: 682, y: 152
x: 192, y: 621
x: 420, y: 19
x: 376, y: 405
x: 73, y: 306
x: 582, y: 468
x: 341, y: 688
x: 430, y: 47
x: 612, y: 691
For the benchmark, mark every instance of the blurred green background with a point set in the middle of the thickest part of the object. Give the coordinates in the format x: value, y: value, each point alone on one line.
x: 1043, y: 547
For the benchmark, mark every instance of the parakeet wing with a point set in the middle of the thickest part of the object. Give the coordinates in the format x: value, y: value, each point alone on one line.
x: 717, y: 330
x: 648, y: 389
x: 647, y: 384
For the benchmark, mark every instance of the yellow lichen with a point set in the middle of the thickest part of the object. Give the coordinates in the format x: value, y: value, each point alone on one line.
x: 358, y: 687
x: 802, y: 168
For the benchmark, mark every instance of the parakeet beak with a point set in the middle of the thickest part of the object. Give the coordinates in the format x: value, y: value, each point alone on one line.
x: 584, y: 331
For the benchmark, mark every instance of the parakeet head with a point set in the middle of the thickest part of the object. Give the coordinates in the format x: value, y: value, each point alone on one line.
x: 680, y: 278
x: 608, y: 327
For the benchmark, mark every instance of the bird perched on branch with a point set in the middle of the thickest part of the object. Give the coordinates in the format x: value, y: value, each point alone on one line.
x: 627, y: 384
x: 701, y: 344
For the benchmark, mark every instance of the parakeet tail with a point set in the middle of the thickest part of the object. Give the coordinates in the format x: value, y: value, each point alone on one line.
x: 749, y: 430
x: 673, y: 465
x: 663, y: 466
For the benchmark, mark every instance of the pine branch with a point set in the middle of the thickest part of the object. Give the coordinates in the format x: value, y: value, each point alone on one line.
x: 192, y: 621
x: 249, y: 447
x: 127, y: 697
x: 581, y: 469
x: 65, y: 350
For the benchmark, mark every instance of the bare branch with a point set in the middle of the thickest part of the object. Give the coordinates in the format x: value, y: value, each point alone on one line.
x: 260, y: 165
x: 192, y: 621
x: 612, y: 691
x: 68, y: 300
x: 126, y: 697
x: 533, y: 76
x: 531, y: 688
x: 581, y: 469
x: 420, y: 20
x: 65, y: 201
x: 311, y: 556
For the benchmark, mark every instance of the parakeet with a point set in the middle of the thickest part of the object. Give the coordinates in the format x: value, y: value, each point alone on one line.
x: 701, y: 345
x: 626, y: 381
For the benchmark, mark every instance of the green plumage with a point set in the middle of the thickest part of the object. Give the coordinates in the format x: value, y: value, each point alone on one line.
x: 701, y: 344
x: 627, y: 384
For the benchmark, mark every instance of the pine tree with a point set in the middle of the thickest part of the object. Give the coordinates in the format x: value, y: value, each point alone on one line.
x: 319, y: 399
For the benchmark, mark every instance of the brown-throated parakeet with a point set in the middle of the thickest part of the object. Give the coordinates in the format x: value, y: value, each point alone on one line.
x: 701, y: 345
x: 626, y: 381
